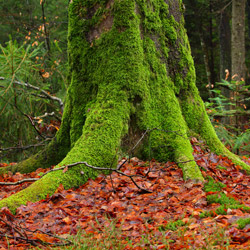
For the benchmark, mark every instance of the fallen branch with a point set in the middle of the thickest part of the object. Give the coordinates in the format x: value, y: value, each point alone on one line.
x: 117, y: 170
x: 19, y: 182
x: 79, y: 163
x: 25, y: 147
x: 24, y: 236
x: 45, y: 94
x: 52, y: 114
x: 34, y: 126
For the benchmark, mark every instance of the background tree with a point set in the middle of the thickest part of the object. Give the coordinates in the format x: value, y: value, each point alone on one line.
x: 238, y: 39
x: 131, y: 74
x: 228, y: 109
x: 28, y: 30
x: 224, y: 31
x: 201, y: 16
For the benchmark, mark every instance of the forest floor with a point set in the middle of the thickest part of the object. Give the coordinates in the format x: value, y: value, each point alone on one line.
x: 112, y: 213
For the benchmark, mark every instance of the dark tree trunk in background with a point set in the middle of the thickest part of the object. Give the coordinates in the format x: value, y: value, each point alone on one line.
x: 238, y: 39
x: 225, y: 52
x: 238, y: 65
x: 225, y: 43
x: 211, y: 45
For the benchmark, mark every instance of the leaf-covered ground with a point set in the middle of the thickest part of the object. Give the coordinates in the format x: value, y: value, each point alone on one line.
x: 175, y: 215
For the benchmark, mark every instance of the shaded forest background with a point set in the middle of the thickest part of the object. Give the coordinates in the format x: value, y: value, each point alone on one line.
x: 33, y: 72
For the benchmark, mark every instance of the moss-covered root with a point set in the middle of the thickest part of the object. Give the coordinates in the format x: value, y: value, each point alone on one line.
x: 47, y: 185
x: 105, y: 125
x: 190, y: 169
x: 35, y: 192
x: 50, y: 155
x: 197, y: 120
x: 185, y: 160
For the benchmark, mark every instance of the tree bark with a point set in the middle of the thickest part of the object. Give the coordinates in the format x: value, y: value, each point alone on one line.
x: 238, y: 48
x: 131, y: 70
x: 225, y: 53
x: 238, y: 39
x: 225, y: 43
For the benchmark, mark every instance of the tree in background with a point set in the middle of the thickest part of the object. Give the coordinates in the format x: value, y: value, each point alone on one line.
x: 212, y: 20
x: 131, y: 77
x: 238, y: 39
x: 34, y: 51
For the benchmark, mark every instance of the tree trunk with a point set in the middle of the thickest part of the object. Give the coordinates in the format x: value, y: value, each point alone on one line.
x: 131, y: 70
x: 225, y: 43
x: 238, y: 49
x: 225, y: 53
x: 238, y: 38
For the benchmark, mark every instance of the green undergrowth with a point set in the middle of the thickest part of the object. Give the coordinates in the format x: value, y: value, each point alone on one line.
x: 221, y: 198
x: 174, y: 225
x: 222, y: 210
x: 243, y: 222
x: 212, y: 185
x: 221, y: 167
x: 111, y: 237
x: 226, y: 203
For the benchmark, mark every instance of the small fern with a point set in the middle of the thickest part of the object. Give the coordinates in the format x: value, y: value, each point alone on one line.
x: 242, y: 141
x: 220, y: 106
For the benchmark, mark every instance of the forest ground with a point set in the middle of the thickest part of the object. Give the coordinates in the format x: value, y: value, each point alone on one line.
x: 112, y: 213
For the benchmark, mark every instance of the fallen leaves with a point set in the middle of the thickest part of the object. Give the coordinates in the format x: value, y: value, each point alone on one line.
x: 95, y: 208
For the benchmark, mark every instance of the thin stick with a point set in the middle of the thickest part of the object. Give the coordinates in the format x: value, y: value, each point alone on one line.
x: 46, y: 95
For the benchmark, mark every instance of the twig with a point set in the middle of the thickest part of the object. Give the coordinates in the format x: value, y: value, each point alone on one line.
x: 14, y: 228
x: 23, y: 235
x: 48, y: 114
x: 111, y: 169
x: 34, y: 126
x: 79, y: 163
x: 117, y: 170
x: 25, y: 147
x: 18, y: 182
x: 46, y: 95
x: 148, y: 130
x: 32, y: 242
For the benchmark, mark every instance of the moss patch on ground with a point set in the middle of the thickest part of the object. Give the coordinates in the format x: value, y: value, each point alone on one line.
x: 174, y: 225
x: 213, y: 186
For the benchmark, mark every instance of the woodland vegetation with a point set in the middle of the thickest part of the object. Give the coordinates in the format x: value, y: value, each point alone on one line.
x: 110, y: 87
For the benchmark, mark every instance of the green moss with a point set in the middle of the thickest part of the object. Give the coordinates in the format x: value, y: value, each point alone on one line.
x: 243, y: 222
x: 172, y: 225
x: 221, y: 198
x: 221, y: 167
x: 213, y: 186
x: 222, y: 210
x: 206, y: 214
x: 138, y: 66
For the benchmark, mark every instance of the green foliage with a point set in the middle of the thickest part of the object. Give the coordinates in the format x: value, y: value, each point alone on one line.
x: 219, y: 103
x: 172, y: 225
x: 223, y: 210
x: 37, y: 54
x: 234, y: 107
x: 243, y: 222
x: 221, y: 167
x: 17, y: 63
x: 213, y: 186
x: 242, y: 141
x: 221, y: 198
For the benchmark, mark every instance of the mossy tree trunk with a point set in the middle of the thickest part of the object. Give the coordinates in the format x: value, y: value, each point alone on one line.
x: 130, y: 70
